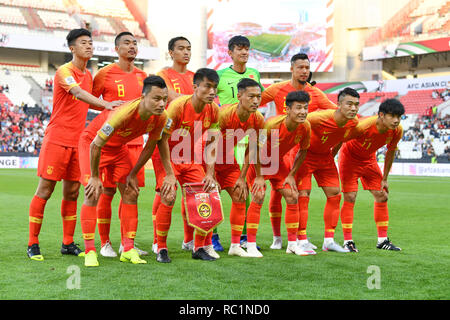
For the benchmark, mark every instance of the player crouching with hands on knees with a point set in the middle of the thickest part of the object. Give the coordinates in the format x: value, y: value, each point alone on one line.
x: 103, y: 152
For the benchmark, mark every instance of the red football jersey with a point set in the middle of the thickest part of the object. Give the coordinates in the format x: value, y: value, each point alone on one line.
x: 365, y: 146
x: 179, y: 82
x: 229, y: 122
x: 279, y: 139
x: 68, y: 117
x: 112, y: 83
x: 123, y: 124
x: 325, y: 133
x: 277, y: 93
x: 185, y: 122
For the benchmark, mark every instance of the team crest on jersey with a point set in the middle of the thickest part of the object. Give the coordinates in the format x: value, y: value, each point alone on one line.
x: 49, y: 169
x: 298, y: 138
x: 207, y: 122
x: 150, y: 127
x: 107, y: 129
x: 388, y: 140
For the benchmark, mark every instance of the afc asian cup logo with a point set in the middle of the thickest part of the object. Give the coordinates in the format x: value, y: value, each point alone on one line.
x: 204, y: 210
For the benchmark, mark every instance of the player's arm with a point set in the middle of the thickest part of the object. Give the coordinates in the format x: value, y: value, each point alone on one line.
x: 336, y: 149
x: 389, y: 159
x: 259, y: 184
x: 94, y: 102
x: 94, y: 187
x: 145, y: 155
x: 290, y: 179
x: 164, y: 152
x: 211, y: 145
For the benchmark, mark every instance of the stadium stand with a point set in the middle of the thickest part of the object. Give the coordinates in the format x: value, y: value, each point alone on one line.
x: 417, y: 18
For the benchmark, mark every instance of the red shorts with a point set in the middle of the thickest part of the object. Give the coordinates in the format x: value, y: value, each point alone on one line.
x: 58, y: 162
x: 323, y: 168
x: 135, y: 152
x: 227, y: 174
x: 115, y: 163
x: 350, y: 170
x: 276, y: 180
x: 185, y: 173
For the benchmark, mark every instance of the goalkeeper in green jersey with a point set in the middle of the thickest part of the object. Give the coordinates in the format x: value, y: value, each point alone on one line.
x: 238, y: 50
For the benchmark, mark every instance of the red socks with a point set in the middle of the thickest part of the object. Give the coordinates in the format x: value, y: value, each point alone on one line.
x: 303, y: 203
x: 163, y: 220
x: 129, y: 222
x: 275, y: 210
x: 237, y: 221
x: 347, y: 219
x: 156, y: 203
x: 331, y: 215
x: 253, y: 215
x: 291, y: 221
x: 36, y: 214
x: 104, y: 217
x: 88, y: 218
x: 381, y: 215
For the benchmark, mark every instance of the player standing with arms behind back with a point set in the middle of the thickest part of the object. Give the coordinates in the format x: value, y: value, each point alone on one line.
x: 58, y: 158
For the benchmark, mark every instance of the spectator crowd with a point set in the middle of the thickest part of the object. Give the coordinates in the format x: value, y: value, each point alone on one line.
x: 22, y: 128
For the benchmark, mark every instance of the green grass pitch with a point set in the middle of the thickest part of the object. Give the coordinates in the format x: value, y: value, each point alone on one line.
x: 272, y: 44
x: 419, y: 211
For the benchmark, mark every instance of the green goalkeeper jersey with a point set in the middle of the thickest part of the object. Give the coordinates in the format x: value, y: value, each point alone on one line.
x: 227, y: 88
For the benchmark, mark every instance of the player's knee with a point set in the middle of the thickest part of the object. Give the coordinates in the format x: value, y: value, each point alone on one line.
x: 258, y: 197
x: 350, y: 197
x: 380, y: 196
x: 109, y: 191
x: 291, y: 198
x: 169, y: 199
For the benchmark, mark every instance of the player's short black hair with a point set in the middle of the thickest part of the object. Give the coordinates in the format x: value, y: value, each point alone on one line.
x: 153, y: 81
x: 297, y: 96
x: 348, y: 91
x: 238, y: 41
x: 207, y: 73
x: 299, y: 56
x: 392, y: 106
x: 245, y: 83
x: 120, y: 35
x: 171, y: 45
x: 75, y: 34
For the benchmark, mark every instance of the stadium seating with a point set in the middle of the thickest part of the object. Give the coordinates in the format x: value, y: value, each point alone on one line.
x: 109, y: 8
x: 56, y: 5
x: 12, y: 16
x: 19, y: 88
x: 57, y: 20
x: 433, y: 15
x: 419, y: 101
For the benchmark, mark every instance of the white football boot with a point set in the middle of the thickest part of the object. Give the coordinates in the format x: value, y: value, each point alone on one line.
x: 277, y: 243
x: 108, y: 251
x: 236, y: 250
